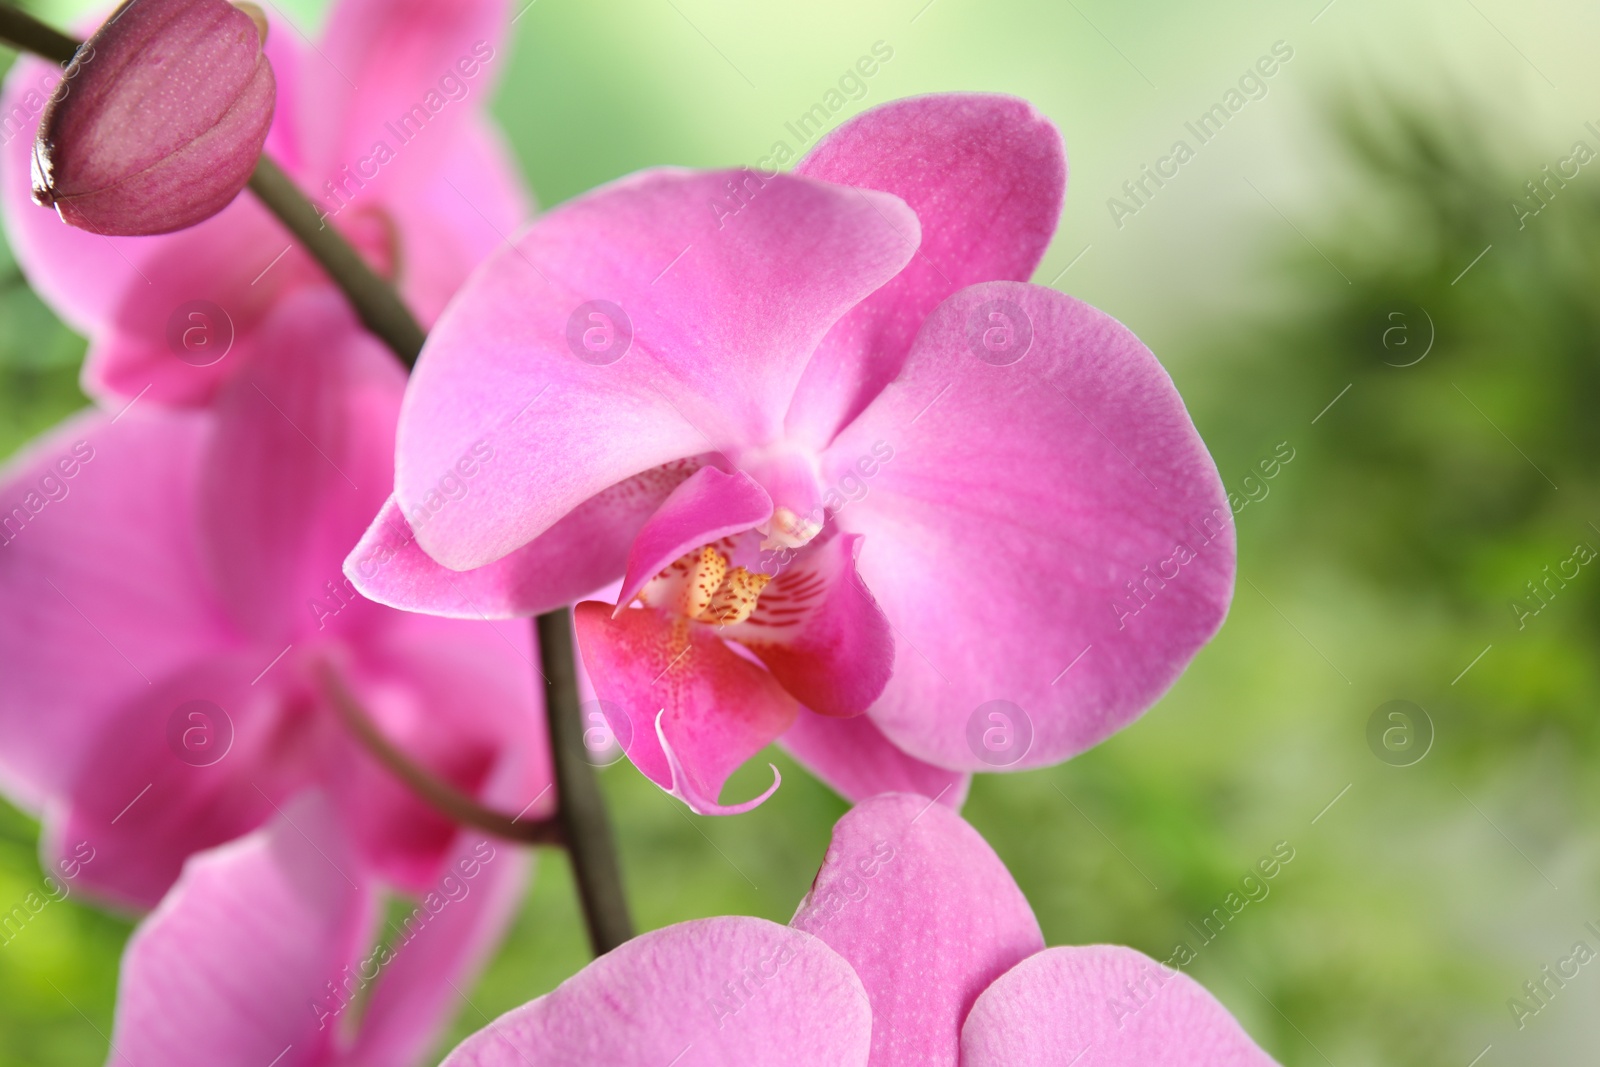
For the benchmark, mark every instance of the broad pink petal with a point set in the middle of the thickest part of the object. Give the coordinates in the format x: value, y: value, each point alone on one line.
x: 927, y: 915
x: 1023, y: 507
x: 856, y: 761
x: 819, y: 631
x: 1111, y: 1006
x: 437, y: 950
x: 985, y: 174
x: 580, y: 554
x: 191, y: 762
x: 96, y: 541
x: 696, y: 711
x: 300, y: 461
x: 81, y: 275
x: 395, y: 72
x: 707, y: 507
x: 228, y: 969
x: 722, y: 323
x: 729, y: 992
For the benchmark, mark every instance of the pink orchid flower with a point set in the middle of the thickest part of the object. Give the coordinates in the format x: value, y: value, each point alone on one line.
x: 914, y: 947
x: 268, y: 950
x: 382, y: 123
x: 175, y: 606
x: 842, y: 458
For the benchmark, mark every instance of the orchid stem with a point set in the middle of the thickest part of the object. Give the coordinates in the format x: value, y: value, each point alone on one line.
x: 25, y: 33
x: 437, y: 792
x: 375, y: 300
x: 582, y: 824
x: 582, y: 808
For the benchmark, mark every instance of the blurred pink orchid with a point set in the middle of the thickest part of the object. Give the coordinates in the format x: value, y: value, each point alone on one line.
x: 269, y: 951
x: 841, y: 456
x: 407, y: 167
x: 174, y: 604
x: 914, y: 947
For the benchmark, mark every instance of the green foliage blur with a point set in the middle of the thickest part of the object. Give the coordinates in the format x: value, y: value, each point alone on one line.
x: 1430, y: 361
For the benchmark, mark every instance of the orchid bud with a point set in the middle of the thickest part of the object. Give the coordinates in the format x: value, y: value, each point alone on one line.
x: 158, y: 120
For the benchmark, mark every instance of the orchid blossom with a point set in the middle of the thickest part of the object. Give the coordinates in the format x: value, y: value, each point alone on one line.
x: 407, y: 167
x: 176, y: 622
x: 914, y: 947
x: 866, y: 491
x: 268, y: 950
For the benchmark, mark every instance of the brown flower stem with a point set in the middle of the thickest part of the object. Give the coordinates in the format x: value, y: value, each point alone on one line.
x: 582, y: 824
x: 25, y: 33
x: 582, y: 809
x: 424, y: 783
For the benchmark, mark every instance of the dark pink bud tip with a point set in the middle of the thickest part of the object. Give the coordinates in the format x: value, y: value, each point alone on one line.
x: 158, y: 120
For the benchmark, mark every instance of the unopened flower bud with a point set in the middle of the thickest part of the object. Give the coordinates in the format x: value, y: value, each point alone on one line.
x: 158, y: 121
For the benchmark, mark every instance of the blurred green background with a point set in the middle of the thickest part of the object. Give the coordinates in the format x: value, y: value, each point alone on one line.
x: 1354, y: 218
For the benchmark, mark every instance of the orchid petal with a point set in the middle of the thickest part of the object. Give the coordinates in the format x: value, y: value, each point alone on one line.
x: 985, y: 174
x: 76, y: 635
x: 695, y: 710
x: 707, y: 507
x: 820, y: 632
x: 583, y: 552
x: 702, y: 334
x: 735, y: 990
x: 1051, y: 533
x: 856, y: 761
x: 254, y: 932
x: 192, y: 762
x: 438, y: 949
x: 1119, y: 1006
x: 300, y: 461
x: 927, y: 915
x: 389, y: 71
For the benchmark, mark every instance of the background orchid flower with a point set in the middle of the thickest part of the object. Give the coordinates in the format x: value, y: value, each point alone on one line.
x: 174, y: 605
x: 270, y: 950
x: 913, y: 947
x: 841, y: 457
x: 408, y: 167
